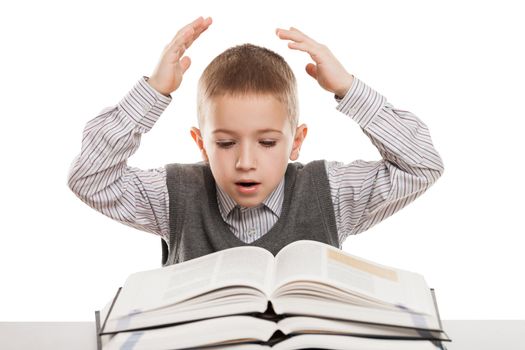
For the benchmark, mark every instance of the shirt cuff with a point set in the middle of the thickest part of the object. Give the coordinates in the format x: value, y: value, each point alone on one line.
x: 143, y: 104
x: 361, y: 103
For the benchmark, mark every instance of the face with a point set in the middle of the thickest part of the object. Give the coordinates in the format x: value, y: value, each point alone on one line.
x: 247, y: 141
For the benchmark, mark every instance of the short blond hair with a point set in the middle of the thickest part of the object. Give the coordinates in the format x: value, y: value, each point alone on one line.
x: 246, y: 69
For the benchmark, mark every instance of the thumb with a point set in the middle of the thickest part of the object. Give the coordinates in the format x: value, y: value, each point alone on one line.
x: 311, y: 69
x: 185, y: 63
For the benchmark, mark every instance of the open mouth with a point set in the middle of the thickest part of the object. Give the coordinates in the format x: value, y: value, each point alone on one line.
x: 247, y: 187
x: 247, y: 184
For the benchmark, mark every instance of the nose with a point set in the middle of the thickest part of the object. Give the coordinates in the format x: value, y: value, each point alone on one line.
x: 246, y: 159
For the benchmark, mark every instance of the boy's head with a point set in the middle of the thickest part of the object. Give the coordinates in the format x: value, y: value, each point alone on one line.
x: 248, y: 114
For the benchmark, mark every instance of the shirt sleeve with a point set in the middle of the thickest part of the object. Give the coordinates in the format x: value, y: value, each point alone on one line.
x: 100, y: 176
x: 367, y: 192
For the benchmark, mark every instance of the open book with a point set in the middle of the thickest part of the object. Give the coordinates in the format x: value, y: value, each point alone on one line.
x: 310, y: 287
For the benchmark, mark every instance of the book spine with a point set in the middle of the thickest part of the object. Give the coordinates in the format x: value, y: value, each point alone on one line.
x: 97, y: 326
x: 110, y: 309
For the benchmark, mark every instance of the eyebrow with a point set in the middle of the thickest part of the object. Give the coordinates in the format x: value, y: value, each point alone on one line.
x: 261, y: 131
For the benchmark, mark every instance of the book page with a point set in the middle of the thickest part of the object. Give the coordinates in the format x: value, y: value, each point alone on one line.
x: 342, y: 342
x: 245, y: 264
x: 211, y: 332
x: 151, y: 289
x: 244, y: 347
x: 300, y: 259
x: 301, y: 304
x: 316, y: 261
x: 301, y: 324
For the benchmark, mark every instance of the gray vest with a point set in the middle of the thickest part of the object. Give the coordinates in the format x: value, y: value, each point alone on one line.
x: 197, y: 227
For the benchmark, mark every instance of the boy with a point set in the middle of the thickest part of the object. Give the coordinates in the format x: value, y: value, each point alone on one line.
x: 245, y: 192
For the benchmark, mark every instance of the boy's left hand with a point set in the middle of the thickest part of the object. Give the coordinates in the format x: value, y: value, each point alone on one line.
x: 327, y: 70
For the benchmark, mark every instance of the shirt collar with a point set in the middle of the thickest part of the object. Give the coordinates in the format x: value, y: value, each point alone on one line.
x: 274, y: 201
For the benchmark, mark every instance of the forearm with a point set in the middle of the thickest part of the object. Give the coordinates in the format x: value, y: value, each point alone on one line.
x: 100, y: 176
x: 366, y: 192
x: 400, y: 136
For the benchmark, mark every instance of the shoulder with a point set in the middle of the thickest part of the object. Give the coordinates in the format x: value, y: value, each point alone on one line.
x: 313, y: 173
x: 186, y: 167
x: 313, y: 167
x: 187, y: 172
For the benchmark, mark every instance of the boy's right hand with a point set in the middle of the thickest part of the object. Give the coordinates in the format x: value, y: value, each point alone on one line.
x: 168, y: 74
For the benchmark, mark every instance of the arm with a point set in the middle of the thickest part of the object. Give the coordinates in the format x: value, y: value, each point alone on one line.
x: 367, y: 192
x: 100, y: 176
x: 364, y: 193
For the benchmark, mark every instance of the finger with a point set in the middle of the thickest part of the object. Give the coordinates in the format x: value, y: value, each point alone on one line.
x: 293, y: 34
x: 311, y: 69
x: 199, y: 26
x: 298, y: 31
x: 185, y: 63
x: 200, y: 29
x: 289, y: 35
x: 181, y: 31
x: 301, y: 42
x: 187, y: 36
x: 192, y: 24
x: 313, y: 50
x: 179, y: 46
x: 299, y: 46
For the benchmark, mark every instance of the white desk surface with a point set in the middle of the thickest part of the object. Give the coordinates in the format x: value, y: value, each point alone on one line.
x: 465, y: 335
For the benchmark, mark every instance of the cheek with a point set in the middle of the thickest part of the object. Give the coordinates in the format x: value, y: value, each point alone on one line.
x: 221, y: 163
x: 219, y: 171
x: 216, y: 158
x: 285, y: 150
x: 276, y: 157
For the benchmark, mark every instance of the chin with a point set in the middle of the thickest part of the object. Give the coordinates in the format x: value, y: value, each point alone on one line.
x: 249, y: 204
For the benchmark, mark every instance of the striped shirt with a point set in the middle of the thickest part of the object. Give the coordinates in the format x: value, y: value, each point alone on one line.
x: 363, y: 192
x: 248, y: 224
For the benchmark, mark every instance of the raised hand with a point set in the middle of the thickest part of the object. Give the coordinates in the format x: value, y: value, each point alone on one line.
x: 327, y: 70
x: 167, y: 76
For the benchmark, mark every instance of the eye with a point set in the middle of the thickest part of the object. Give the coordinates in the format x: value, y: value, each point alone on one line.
x: 225, y: 144
x: 267, y: 143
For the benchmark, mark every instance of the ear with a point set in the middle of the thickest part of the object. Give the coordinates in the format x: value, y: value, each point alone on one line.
x: 300, y: 134
x: 199, y: 141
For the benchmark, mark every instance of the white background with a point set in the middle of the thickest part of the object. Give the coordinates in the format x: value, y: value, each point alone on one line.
x: 457, y: 65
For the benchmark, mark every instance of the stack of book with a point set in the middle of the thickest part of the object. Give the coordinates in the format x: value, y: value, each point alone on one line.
x: 310, y: 296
